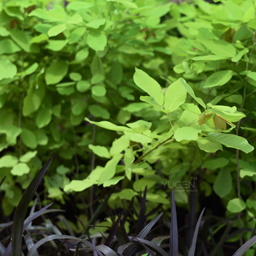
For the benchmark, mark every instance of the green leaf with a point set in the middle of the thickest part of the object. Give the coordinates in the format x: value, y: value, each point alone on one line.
x: 220, y: 48
x: 232, y: 141
x: 141, y: 184
x: 158, y: 198
x: 236, y: 205
x: 179, y: 170
x: 56, y: 45
x: 98, y: 90
x: 175, y: 96
x: 109, y: 169
x: 43, y: 117
x: 75, y: 76
x: 126, y: 194
x: 218, y: 78
x: 62, y: 170
x: 127, y: 4
x: 97, y: 78
x: 186, y: 133
x: 149, y: 85
x: 209, y: 58
x: 99, y: 151
x: 8, y: 69
x: 56, y: 72
x: 38, y: 39
x: 191, y: 92
x: 30, y: 70
x: 8, y: 46
x: 42, y: 138
x: 76, y: 35
x: 75, y: 19
x: 79, y: 185
x: 108, y: 125
x: 34, y: 97
x: 96, y: 23
x: 98, y: 111
x: 151, y: 101
x: 29, y: 138
x: 134, y: 107
x: 247, y: 172
x: 223, y: 183
x: 97, y: 40
x: 54, y: 31
x: 4, y: 32
x: 21, y: 38
x: 82, y: 54
x: 8, y: 161
x: 113, y: 181
x: 215, y: 163
x: 56, y: 110
x: 28, y: 156
x: 120, y: 144
x: 20, y: 169
x: 12, y: 133
x: 128, y: 160
x: 76, y: 6
x: 240, y: 55
x: 79, y: 107
x: 83, y: 86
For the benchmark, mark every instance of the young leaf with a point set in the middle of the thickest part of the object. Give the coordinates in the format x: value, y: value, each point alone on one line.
x: 191, y: 92
x: 232, y: 141
x: 186, y: 133
x: 109, y: 169
x: 175, y: 95
x: 218, y: 78
x: 108, y: 125
x: 128, y: 160
x: 236, y: 205
x: 223, y: 183
x: 149, y: 85
x: 54, y: 31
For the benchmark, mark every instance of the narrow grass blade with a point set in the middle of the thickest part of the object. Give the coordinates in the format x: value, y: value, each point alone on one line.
x: 204, y: 250
x: 113, y: 231
x: 143, y: 234
x: 146, y: 230
x: 174, y: 243
x: 223, y: 239
x: 106, y: 250
x: 241, y: 251
x: 192, y: 249
x: 152, y: 245
x: 21, y: 210
x: 142, y: 217
x: 29, y: 242
x: 2, y: 249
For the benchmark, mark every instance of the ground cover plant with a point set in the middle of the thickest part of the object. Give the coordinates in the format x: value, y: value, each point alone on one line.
x: 127, y: 245
x: 129, y: 94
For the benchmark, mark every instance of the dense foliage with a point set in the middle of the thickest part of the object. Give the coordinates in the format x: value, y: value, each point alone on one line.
x: 129, y: 94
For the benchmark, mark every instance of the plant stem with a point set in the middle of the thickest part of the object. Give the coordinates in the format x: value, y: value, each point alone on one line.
x: 237, y: 133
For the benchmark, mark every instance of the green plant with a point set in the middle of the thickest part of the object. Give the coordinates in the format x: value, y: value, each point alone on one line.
x: 62, y: 64
x: 19, y: 223
x: 76, y: 61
